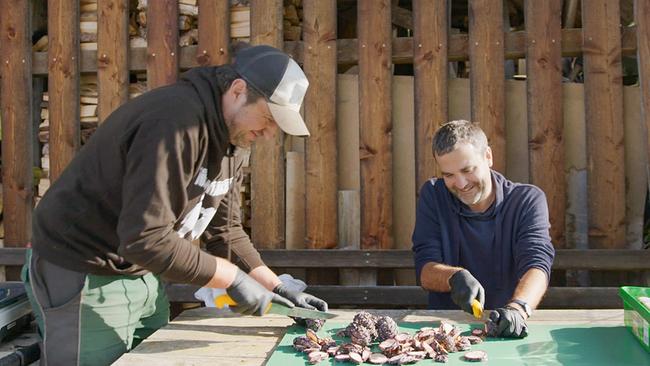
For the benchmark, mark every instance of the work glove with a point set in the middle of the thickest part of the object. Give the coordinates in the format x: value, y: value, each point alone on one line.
x: 301, y: 299
x: 507, y: 322
x: 464, y: 289
x: 251, y: 297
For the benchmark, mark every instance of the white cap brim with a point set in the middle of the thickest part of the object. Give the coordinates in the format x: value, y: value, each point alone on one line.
x: 289, y: 120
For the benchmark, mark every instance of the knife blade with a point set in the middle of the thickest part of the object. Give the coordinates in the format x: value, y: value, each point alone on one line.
x: 273, y: 308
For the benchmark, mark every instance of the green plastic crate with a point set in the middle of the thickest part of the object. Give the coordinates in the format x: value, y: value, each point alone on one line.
x: 636, y: 314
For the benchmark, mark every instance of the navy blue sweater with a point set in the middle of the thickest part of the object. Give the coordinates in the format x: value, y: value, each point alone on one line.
x: 497, y: 246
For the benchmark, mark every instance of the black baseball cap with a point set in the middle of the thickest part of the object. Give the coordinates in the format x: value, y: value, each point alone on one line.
x: 280, y: 80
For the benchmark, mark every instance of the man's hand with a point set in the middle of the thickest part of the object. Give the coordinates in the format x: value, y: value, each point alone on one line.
x: 464, y: 289
x: 301, y: 299
x: 251, y: 297
x: 507, y: 322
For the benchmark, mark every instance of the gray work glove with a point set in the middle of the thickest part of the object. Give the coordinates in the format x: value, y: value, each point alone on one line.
x: 464, y: 289
x: 251, y: 297
x: 301, y: 299
x: 507, y: 322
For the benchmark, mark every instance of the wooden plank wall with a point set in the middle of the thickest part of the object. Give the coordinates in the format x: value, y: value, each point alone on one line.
x: 162, y: 43
x: 63, y: 71
x: 642, y: 20
x: 16, y: 109
x: 214, y: 32
x: 487, y: 76
x: 319, y: 35
x: 430, y: 67
x: 113, y: 55
x: 545, y: 124
x: 375, y: 49
x: 267, y: 158
x: 604, y: 113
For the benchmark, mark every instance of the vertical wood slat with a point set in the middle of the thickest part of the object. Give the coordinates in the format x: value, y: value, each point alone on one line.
x: 642, y: 20
x: 267, y: 157
x: 214, y: 32
x: 430, y: 67
x: 545, y: 124
x: 604, y: 114
x: 319, y: 34
x: 162, y: 43
x: 112, y: 52
x: 375, y: 50
x: 63, y: 84
x: 17, y: 130
x: 487, y: 75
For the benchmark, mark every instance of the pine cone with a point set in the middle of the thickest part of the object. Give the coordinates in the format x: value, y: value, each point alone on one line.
x: 360, y: 335
x: 386, y: 328
x: 366, y: 320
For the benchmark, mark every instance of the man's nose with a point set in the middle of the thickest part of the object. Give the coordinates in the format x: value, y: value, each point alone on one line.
x: 460, y: 182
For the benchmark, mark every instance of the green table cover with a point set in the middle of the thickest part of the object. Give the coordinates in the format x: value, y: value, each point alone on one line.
x: 545, y: 345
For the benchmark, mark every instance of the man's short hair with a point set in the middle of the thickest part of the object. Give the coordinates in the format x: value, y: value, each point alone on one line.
x: 460, y: 131
x: 226, y: 74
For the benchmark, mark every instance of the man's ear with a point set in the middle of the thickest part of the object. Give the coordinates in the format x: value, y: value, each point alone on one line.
x: 488, y: 156
x: 238, y: 89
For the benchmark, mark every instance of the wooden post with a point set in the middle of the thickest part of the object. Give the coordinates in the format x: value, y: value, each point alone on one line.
x: 430, y: 66
x: 642, y: 20
x: 214, y: 32
x: 162, y: 43
x: 267, y: 159
x: 112, y: 55
x: 63, y: 83
x: 604, y: 115
x: 545, y: 124
x: 375, y: 49
x: 319, y: 34
x: 295, y: 200
x: 349, y: 237
x: 17, y: 130
x: 487, y: 75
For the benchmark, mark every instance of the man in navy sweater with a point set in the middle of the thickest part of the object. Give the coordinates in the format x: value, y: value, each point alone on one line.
x: 479, y: 236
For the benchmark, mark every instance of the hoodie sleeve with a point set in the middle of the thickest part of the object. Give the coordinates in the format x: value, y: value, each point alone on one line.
x: 533, y: 247
x: 225, y: 231
x: 426, y: 238
x: 160, y: 158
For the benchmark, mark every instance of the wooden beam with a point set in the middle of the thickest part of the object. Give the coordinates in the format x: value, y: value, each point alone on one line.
x: 404, y: 18
x: 162, y: 43
x: 214, y: 32
x: 583, y: 259
x: 545, y: 124
x: 267, y: 159
x: 431, y: 68
x: 642, y: 20
x: 487, y: 75
x: 604, y: 113
x: 16, y: 115
x: 515, y: 48
x: 375, y: 122
x: 113, y: 52
x: 416, y: 297
x: 319, y: 35
x: 63, y: 83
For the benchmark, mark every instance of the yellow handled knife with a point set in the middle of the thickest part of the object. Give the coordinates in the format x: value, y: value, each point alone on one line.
x: 477, y: 309
x: 273, y: 308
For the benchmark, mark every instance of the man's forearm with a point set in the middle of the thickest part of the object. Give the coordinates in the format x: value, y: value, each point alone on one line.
x: 435, y: 276
x: 265, y: 276
x: 224, y: 274
x: 531, y: 287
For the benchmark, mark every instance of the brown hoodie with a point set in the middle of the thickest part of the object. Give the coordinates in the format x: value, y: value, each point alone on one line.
x: 157, y: 174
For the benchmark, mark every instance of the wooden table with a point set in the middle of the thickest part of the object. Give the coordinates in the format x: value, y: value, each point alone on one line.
x: 207, y: 336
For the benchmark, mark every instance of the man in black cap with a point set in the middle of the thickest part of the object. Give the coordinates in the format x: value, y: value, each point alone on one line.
x: 163, y: 170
